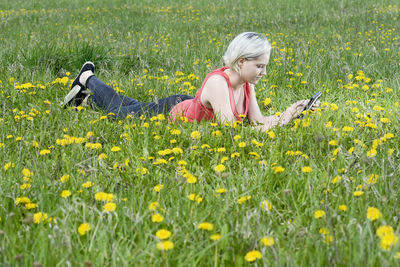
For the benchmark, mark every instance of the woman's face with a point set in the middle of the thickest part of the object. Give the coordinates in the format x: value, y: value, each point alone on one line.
x: 253, y: 70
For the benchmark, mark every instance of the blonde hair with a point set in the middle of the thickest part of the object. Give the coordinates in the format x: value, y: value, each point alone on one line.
x: 248, y: 45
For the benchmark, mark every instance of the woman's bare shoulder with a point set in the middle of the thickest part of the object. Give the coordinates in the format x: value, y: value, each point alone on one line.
x: 216, y: 83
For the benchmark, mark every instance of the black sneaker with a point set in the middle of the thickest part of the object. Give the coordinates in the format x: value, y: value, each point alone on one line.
x: 77, y: 93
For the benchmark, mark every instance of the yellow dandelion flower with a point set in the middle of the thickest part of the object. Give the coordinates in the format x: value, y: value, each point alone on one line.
x: 182, y: 163
x: 27, y: 173
x: 373, y: 214
x: 215, y: 237
x: 278, y: 169
x: 372, y: 179
x: 342, y: 207
x: 87, y: 184
x: 158, y: 187
x: 268, y: 241
x: 165, y: 245
x: 271, y: 134
x: 163, y: 234
x: 195, y: 135
x: 177, y: 150
x: 25, y: 186
x: 30, y: 206
x: 142, y: 170
x: 347, y: 129
x: 8, y: 166
x: 44, y: 152
x: 306, y: 169
x: 235, y: 154
x: 65, y: 193
x: 39, y: 217
x: 358, y: 193
x: 267, y: 101
x: 243, y: 199
x: 242, y: 144
x: 102, y: 196
x: 220, y: 168
x: 378, y: 108
x: 191, y: 197
x: 153, y: 206
x: 157, y: 217
x: 319, y: 214
x: 64, y: 178
x: 323, y: 231
x: 266, y: 205
x: 371, y: 153
x: 160, y: 161
x: 388, y: 241
x: 191, y: 179
x: 102, y: 156
x: 256, y: 143
x: 333, y: 143
x: 175, y: 132
x: 205, y: 226
x: 22, y: 200
x: 221, y: 190
x: 384, y: 230
x: 253, y: 255
x: 336, y: 179
x: 115, y: 149
x: 224, y: 159
x: 84, y: 228
x: 334, y: 107
x: 109, y: 207
x: 255, y: 154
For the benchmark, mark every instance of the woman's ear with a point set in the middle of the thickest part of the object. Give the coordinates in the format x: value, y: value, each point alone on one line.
x: 241, y: 61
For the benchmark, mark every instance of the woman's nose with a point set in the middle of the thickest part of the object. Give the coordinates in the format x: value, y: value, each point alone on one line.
x: 264, y: 71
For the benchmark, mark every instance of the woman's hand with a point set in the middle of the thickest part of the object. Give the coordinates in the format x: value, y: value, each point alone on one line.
x: 293, y: 111
x: 315, y: 105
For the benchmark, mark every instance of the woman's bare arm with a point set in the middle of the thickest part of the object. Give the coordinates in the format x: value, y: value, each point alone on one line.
x: 268, y: 122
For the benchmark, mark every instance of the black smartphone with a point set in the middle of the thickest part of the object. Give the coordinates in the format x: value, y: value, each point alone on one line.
x: 312, y: 101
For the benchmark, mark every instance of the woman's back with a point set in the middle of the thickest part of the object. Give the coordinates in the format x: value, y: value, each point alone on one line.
x: 194, y: 109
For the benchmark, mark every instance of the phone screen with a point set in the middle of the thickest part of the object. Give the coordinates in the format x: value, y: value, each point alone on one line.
x: 312, y: 101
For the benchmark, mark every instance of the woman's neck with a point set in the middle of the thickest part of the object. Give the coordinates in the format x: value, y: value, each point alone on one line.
x: 236, y: 81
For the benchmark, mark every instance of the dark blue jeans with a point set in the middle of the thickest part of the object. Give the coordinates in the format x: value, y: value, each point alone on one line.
x: 105, y: 97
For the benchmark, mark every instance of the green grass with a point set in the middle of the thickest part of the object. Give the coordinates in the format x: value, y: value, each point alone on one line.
x: 141, y: 48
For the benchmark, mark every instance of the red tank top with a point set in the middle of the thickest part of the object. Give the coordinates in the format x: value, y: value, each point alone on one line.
x: 193, y: 109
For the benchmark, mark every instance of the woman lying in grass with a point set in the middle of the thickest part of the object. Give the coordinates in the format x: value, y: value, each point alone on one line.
x: 227, y: 94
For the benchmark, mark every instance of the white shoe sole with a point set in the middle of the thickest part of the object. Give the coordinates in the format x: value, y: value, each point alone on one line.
x: 72, y: 93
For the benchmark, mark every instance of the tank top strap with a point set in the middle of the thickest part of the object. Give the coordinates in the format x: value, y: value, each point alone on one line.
x: 246, y: 98
x: 219, y: 71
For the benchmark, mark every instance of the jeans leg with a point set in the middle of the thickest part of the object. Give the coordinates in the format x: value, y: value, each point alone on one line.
x: 165, y: 105
x: 106, y: 98
x: 127, y: 101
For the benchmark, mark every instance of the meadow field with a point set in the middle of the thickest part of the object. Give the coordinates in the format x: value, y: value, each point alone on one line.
x: 80, y: 188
